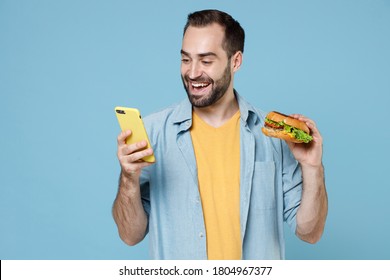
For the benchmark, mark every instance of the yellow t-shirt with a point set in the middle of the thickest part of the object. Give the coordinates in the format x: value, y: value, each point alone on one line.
x: 217, y: 152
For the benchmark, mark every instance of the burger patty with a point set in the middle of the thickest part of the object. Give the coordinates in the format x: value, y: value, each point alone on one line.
x: 274, y: 125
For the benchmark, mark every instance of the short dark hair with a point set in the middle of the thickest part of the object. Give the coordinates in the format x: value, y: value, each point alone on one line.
x: 234, y: 33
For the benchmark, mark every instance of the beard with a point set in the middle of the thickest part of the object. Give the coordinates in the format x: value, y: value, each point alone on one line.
x: 219, y: 88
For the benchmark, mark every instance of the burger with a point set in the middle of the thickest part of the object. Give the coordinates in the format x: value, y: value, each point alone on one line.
x: 287, y: 128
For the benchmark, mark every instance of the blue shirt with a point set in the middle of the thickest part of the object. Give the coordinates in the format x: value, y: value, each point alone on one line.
x: 270, y: 188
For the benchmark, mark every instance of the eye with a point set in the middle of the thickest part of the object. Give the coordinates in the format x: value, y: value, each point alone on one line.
x: 185, y: 60
x: 206, y: 62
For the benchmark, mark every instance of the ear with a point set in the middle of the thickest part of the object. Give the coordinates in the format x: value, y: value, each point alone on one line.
x: 236, y: 61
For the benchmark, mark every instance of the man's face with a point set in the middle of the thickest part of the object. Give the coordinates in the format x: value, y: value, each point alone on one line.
x: 205, y: 68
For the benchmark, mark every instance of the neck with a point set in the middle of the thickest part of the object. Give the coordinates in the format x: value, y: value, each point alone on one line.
x: 220, y: 112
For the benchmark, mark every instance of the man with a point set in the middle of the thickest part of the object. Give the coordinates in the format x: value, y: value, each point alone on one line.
x: 219, y: 189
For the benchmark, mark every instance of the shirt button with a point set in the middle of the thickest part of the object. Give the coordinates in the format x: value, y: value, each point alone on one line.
x: 201, y: 234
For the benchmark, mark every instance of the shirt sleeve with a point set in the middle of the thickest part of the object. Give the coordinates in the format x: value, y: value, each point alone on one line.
x: 145, y: 192
x: 292, y: 186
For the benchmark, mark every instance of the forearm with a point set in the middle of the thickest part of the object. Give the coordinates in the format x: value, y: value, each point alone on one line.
x: 311, y: 215
x: 128, y: 211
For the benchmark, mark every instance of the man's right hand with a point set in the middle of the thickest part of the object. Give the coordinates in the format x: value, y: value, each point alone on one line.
x: 130, y: 156
x: 128, y: 211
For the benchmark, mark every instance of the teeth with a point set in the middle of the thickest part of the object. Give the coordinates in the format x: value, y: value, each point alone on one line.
x: 200, y: 85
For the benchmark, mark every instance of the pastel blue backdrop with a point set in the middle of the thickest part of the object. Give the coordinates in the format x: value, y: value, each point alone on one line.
x: 64, y: 65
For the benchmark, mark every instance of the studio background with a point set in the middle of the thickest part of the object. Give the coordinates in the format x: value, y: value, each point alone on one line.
x: 65, y: 65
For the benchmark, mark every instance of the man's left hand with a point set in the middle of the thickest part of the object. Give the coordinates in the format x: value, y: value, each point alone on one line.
x: 310, y: 154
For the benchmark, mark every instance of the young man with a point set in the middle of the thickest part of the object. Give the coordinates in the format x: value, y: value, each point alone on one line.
x: 219, y: 189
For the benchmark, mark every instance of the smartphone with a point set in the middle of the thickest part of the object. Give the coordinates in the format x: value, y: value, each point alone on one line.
x: 130, y: 119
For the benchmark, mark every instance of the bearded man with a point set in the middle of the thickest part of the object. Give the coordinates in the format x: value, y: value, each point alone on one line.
x: 219, y: 188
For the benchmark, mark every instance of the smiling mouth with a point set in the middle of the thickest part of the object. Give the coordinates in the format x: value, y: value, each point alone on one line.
x: 199, y: 87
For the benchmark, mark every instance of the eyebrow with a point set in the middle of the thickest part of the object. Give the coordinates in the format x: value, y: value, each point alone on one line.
x: 200, y: 54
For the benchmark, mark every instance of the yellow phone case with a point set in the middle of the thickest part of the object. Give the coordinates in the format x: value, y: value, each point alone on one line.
x: 130, y: 119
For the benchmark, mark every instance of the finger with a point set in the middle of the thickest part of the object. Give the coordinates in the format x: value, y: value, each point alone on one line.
x: 129, y: 149
x: 126, y: 150
x: 302, y: 118
x: 122, y: 137
x: 314, y: 132
x: 136, y: 157
x: 295, y: 116
x: 139, y: 155
x: 309, y: 122
x: 311, y: 125
x: 136, y: 167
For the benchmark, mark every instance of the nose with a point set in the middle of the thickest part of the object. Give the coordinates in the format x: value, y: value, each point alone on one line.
x: 194, y: 70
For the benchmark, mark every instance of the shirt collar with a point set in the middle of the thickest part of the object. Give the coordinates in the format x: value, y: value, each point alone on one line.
x: 183, y: 112
x: 247, y: 111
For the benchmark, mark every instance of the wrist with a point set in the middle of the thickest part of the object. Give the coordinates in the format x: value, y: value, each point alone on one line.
x: 129, y: 177
x: 312, y: 168
x: 128, y: 185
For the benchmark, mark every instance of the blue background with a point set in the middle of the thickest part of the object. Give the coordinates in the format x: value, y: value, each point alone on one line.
x: 64, y: 66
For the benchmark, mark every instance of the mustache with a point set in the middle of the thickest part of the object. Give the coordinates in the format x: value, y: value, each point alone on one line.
x: 198, y: 80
